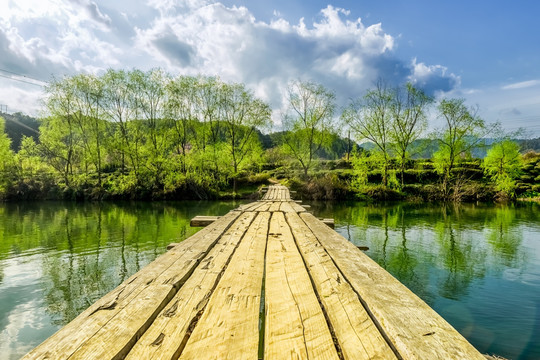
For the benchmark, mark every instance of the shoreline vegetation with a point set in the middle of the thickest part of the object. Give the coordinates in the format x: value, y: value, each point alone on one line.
x: 152, y: 136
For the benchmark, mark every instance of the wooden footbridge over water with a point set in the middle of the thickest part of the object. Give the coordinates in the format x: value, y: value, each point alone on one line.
x: 267, y: 280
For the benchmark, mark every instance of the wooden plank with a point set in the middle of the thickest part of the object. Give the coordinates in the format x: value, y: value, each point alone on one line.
x: 295, y: 324
x: 329, y: 222
x: 275, y: 206
x: 356, y: 333
x: 152, y: 288
x: 244, y: 207
x: 229, y: 326
x: 416, y: 330
x: 202, y: 220
x: 263, y: 207
x: 296, y: 207
x: 252, y: 206
x: 167, y: 335
x: 286, y: 207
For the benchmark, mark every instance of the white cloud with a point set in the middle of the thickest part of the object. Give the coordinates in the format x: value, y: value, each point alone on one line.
x: 434, y: 79
x: 343, y: 54
x: 521, y: 85
x: 203, y: 36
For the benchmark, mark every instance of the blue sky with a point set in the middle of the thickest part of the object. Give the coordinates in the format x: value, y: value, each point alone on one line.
x: 485, y: 52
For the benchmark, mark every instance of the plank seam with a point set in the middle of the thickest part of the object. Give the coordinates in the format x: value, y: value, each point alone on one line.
x: 174, y: 289
x: 328, y: 323
x: 362, y: 301
x: 262, y: 306
x: 193, y: 323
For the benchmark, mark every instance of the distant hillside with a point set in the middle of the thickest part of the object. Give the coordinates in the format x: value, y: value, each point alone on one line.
x: 529, y: 144
x: 19, y: 125
x: 424, y: 148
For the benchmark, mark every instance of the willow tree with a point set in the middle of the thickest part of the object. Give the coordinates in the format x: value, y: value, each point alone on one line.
x: 408, y: 109
x: 503, y: 164
x: 7, y: 158
x: 209, y: 135
x: 307, y: 121
x: 59, y: 139
x: 89, y: 99
x: 370, y: 118
x: 241, y: 114
x: 463, y: 130
x: 182, y: 109
x: 119, y: 108
x: 149, y: 100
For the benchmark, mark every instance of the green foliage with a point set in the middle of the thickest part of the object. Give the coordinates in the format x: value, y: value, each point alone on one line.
x: 7, y: 160
x: 361, y: 167
x: 462, y: 132
x: 503, y: 164
x: 135, y: 134
x: 308, y: 122
x: 17, y: 126
x: 147, y: 134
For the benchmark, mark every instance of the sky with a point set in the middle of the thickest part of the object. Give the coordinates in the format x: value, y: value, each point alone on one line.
x: 487, y: 52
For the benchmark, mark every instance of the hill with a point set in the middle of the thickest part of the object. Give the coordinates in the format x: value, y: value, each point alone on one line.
x: 19, y: 125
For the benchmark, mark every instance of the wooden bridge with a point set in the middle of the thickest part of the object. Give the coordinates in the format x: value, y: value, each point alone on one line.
x: 267, y: 280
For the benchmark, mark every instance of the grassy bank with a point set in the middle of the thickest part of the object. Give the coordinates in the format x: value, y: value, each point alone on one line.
x: 328, y: 180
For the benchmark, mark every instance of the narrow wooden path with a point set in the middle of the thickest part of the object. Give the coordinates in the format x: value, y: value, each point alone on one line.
x: 267, y: 280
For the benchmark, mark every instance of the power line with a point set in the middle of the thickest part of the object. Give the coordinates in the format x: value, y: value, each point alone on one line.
x: 23, y: 125
x: 22, y: 75
x: 23, y: 81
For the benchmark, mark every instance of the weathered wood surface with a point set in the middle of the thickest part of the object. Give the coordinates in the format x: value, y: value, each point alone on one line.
x: 266, y: 280
x: 277, y: 193
x: 296, y: 327
x: 355, y: 331
x: 202, y: 220
x: 416, y: 330
x: 132, y: 306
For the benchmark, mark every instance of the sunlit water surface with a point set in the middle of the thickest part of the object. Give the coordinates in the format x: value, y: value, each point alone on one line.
x: 56, y: 259
x: 477, y: 265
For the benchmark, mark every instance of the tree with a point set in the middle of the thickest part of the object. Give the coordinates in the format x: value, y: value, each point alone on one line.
x: 119, y: 108
x: 463, y: 130
x: 241, y: 113
x: 408, y: 121
x: 181, y: 109
x: 59, y: 139
x: 503, y: 163
x: 7, y: 158
x: 149, y: 100
x: 308, y: 121
x: 370, y: 118
x: 89, y: 101
x: 209, y: 132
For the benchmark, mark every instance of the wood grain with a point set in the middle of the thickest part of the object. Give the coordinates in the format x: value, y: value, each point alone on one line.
x: 356, y: 333
x: 295, y: 324
x: 165, y: 338
x: 229, y: 326
x: 159, y: 280
x: 415, y: 329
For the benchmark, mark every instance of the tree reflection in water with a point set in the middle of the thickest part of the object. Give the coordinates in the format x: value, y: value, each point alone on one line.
x: 82, y: 251
x: 478, y: 265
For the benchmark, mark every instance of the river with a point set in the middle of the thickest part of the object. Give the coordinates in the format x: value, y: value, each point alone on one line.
x: 476, y: 265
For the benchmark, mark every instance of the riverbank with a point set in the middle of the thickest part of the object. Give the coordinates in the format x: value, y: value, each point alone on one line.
x: 327, y: 180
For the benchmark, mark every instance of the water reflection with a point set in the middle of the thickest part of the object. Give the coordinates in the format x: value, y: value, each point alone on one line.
x: 478, y: 265
x: 56, y: 259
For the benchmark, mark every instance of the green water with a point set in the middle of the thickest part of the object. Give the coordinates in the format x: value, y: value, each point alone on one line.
x: 477, y: 265
x: 56, y: 259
